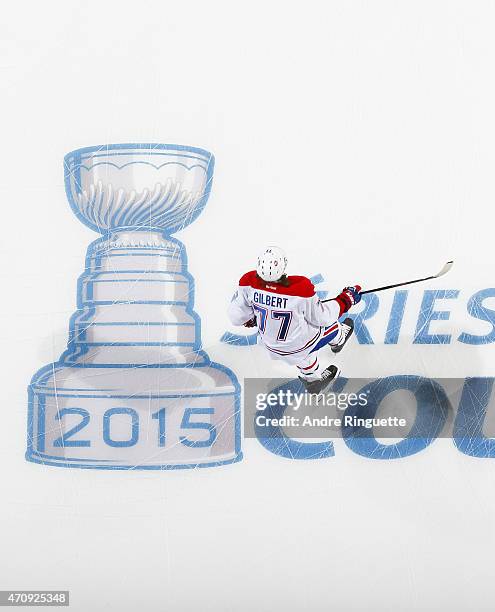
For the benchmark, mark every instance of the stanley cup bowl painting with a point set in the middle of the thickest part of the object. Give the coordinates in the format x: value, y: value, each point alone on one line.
x: 134, y: 388
x: 138, y: 186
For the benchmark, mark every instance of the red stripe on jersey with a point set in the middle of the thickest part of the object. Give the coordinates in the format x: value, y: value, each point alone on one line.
x: 299, y: 286
x: 307, y: 345
x: 311, y: 366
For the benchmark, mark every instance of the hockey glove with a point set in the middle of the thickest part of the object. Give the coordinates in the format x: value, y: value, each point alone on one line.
x: 353, y: 293
x: 348, y: 297
x: 251, y: 323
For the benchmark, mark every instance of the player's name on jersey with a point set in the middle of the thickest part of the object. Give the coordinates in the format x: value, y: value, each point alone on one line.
x: 270, y: 300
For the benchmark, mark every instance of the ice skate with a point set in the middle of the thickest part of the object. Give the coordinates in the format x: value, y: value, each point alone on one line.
x: 317, y: 386
x: 347, y: 329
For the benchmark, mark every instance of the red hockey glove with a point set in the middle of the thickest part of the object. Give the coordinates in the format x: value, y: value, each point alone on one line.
x: 348, y: 297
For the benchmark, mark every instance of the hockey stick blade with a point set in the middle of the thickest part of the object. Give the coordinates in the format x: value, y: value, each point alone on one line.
x: 445, y: 269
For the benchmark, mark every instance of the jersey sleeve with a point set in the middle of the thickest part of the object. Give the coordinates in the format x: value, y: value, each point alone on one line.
x: 320, y: 313
x: 240, y: 309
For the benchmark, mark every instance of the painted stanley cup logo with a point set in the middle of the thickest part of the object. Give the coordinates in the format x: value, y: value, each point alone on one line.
x: 134, y: 389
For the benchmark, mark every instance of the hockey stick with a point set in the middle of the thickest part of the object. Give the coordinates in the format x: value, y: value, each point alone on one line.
x: 443, y: 271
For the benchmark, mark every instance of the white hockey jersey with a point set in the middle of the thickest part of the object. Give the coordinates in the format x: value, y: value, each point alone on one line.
x: 291, y: 319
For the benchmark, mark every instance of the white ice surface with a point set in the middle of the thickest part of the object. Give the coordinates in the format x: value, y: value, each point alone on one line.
x: 358, y: 136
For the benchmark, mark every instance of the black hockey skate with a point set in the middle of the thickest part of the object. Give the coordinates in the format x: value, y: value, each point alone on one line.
x: 317, y: 386
x: 347, y: 328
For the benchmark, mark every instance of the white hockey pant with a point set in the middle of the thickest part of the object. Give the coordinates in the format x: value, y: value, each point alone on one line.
x: 309, y: 367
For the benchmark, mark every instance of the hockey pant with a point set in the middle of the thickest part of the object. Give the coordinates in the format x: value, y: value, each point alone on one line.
x: 309, y: 368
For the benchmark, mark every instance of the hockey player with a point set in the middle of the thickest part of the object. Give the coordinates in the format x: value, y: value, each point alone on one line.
x: 293, y: 323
